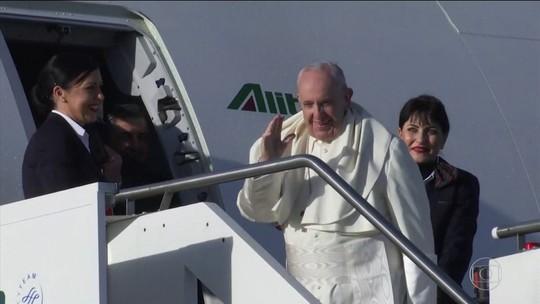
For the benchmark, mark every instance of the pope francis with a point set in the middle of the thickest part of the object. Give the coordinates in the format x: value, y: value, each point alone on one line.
x: 332, y: 250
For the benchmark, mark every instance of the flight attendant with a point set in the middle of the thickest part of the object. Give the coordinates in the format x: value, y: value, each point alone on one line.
x: 64, y: 153
x: 453, y: 192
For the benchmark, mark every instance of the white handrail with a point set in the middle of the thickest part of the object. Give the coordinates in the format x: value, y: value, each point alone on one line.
x: 522, y: 228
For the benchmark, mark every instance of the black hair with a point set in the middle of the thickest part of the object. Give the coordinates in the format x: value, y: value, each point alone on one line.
x: 125, y: 111
x: 426, y: 108
x: 64, y: 70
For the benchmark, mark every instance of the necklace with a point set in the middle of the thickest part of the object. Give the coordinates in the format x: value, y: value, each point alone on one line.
x: 432, y: 174
x: 429, y: 177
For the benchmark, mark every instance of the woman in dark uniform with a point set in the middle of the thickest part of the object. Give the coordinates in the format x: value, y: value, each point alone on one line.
x: 453, y: 193
x: 64, y: 153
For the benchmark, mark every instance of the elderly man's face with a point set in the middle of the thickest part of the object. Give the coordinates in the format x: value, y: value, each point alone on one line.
x: 323, y: 104
x: 130, y: 137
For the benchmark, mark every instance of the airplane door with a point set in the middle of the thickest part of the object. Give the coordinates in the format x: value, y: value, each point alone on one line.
x: 16, y: 127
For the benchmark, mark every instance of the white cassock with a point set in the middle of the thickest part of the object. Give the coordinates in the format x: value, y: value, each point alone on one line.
x: 333, y: 251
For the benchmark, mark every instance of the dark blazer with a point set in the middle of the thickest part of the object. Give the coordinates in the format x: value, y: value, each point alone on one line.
x: 454, y: 210
x: 56, y: 159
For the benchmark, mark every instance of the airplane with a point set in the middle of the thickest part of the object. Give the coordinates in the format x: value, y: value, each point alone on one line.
x: 231, y: 66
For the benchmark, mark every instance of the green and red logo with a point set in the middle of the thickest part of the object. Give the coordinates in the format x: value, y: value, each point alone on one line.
x: 252, y: 98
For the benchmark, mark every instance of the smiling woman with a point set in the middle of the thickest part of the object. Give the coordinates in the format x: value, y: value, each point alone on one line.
x: 453, y: 193
x: 62, y: 153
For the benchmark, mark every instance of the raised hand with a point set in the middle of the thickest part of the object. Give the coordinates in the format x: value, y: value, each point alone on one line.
x: 272, y: 145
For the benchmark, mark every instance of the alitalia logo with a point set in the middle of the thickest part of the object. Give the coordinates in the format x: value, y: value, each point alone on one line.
x: 252, y: 98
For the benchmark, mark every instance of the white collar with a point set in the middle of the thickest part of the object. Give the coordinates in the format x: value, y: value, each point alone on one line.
x: 77, y: 127
x: 83, y: 135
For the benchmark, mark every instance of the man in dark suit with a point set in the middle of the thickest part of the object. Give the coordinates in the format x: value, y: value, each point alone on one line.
x: 131, y: 135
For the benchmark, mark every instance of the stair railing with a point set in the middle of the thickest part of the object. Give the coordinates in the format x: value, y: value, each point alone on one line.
x: 335, y: 181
